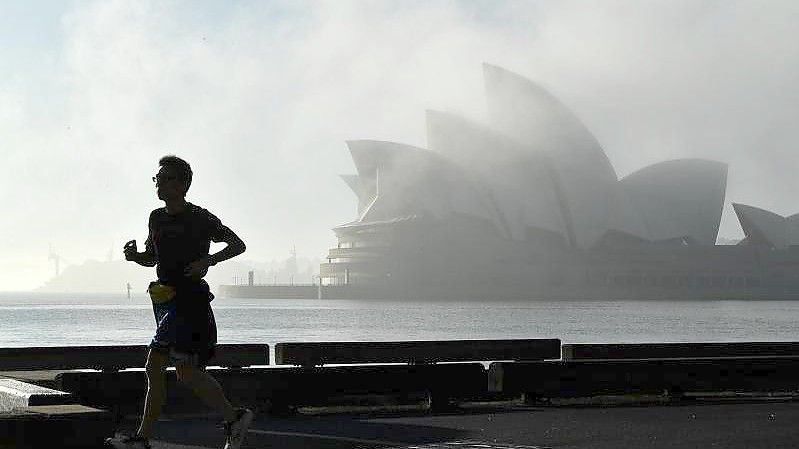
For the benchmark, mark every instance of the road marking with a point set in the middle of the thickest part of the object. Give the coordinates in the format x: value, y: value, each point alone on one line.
x: 470, y: 445
x: 397, y: 445
x: 328, y: 437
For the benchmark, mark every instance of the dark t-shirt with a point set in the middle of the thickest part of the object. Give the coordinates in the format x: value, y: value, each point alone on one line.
x: 180, y: 239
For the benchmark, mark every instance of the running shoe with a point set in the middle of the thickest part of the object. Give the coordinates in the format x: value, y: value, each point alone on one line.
x: 128, y: 442
x: 235, y: 431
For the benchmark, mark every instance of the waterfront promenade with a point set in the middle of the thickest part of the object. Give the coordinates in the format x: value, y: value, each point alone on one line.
x: 697, y: 425
x: 536, y: 393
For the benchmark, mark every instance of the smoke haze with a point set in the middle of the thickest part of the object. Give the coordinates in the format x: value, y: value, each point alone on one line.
x: 260, y: 98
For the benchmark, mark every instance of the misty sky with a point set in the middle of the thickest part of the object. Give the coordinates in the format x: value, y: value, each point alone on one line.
x: 259, y: 96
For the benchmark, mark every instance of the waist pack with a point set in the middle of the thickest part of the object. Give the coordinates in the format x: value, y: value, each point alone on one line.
x: 160, y: 293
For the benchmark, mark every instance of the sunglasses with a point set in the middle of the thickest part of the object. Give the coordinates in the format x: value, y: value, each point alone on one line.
x: 159, y: 178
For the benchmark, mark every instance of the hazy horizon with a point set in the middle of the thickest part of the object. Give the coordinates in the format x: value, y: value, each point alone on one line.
x: 260, y: 98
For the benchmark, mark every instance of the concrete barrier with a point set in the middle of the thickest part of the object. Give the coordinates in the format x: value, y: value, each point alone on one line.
x: 44, y: 378
x: 678, y: 350
x: 55, y: 426
x: 279, y: 389
x: 309, y: 354
x: 445, y: 384
x: 16, y: 394
x: 556, y: 379
x: 123, y: 392
x: 240, y: 355
x: 113, y: 358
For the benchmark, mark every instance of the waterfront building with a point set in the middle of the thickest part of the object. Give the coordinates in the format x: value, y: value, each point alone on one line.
x: 529, y: 206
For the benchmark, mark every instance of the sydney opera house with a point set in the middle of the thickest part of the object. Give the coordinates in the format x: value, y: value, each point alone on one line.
x: 528, y: 206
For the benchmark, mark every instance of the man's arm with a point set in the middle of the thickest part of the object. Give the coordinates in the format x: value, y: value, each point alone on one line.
x: 146, y: 258
x: 235, y: 246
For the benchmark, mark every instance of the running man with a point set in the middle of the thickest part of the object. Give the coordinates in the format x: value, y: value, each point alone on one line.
x: 178, y: 244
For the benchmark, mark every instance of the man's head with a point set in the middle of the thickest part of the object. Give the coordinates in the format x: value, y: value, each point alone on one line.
x: 173, y: 179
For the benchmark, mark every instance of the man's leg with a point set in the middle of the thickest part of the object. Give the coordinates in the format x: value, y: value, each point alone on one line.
x: 157, y: 363
x: 209, y: 390
x: 204, y: 386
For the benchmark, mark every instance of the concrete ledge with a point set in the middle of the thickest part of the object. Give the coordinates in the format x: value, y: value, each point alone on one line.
x: 281, y: 388
x: 444, y: 383
x: 112, y: 358
x: 650, y: 376
x: 240, y: 355
x: 123, y: 392
x: 15, y: 394
x: 55, y: 426
x: 307, y: 354
x: 72, y: 357
x: 678, y: 350
x: 42, y: 378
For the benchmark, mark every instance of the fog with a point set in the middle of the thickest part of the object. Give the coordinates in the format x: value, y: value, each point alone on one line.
x: 260, y: 97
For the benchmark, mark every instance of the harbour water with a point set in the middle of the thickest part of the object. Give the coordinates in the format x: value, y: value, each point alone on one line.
x: 38, y: 319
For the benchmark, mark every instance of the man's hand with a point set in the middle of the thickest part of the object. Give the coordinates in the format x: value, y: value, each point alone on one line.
x: 130, y: 251
x: 145, y: 259
x: 197, y: 269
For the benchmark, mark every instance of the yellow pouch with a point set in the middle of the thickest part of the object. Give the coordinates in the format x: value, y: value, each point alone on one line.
x: 160, y: 293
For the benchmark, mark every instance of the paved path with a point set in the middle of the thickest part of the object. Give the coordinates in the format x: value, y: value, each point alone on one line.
x: 741, y: 425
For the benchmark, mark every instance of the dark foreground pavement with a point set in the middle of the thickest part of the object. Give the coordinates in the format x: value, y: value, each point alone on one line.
x: 700, y: 425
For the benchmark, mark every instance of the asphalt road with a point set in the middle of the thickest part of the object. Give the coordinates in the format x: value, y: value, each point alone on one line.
x: 729, y: 425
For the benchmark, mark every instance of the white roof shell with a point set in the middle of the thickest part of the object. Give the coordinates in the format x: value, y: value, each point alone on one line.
x: 354, y: 183
x: 763, y: 227
x: 540, y: 168
x: 402, y: 180
x: 679, y: 198
x: 585, y: 180
x: 520, y: 181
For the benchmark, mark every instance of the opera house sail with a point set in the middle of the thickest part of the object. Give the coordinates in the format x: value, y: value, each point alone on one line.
x: 528, y: 206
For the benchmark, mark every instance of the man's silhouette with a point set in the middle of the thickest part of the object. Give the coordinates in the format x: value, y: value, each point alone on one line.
x: 180, y: 235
